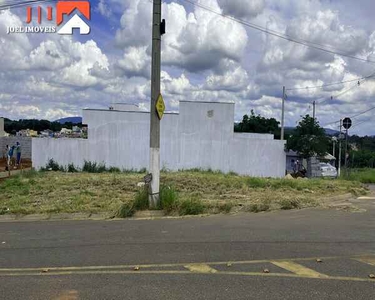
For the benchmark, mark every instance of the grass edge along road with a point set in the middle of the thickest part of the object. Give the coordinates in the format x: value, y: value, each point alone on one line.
x: 182, y: 193
x: 363, y: 175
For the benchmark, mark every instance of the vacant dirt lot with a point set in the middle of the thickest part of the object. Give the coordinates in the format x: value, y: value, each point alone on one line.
x: 55, y: 192
x: 26, y: 164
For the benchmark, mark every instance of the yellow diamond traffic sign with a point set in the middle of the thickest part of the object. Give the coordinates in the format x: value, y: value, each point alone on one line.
x: 160, y: 106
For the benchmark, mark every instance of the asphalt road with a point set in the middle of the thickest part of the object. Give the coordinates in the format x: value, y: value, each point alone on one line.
x: 218, y: 257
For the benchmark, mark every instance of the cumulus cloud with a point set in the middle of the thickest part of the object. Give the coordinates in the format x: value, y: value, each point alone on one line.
x: 204, y: 57
x: 232, y: 78
x: 104, y: 9
x: 15, y: 47
x: 242, y: 8
x: 194, y: 41
x: 176, y: 86
x: 136, y: 62
x: 71, y: 61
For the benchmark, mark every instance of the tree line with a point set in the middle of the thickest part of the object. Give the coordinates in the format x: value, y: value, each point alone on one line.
x: 309, y: 139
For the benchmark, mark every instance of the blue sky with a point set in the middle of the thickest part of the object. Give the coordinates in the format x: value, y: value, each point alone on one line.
x: 205, y: 57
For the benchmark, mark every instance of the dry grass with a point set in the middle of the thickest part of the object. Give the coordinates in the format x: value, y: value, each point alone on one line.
x: 54, y: 192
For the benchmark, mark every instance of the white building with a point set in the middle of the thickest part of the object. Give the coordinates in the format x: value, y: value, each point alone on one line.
x: 66, y: 131
x: 201, y: 135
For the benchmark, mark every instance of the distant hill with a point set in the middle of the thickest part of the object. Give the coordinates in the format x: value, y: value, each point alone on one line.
x: 74, y: 120
x: 330, y: 132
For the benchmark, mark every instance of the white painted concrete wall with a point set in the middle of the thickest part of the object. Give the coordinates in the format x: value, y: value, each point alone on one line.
x: 64, y: 151
x: 2, y: 132
x: 125, y: 107
x: 200, y: 136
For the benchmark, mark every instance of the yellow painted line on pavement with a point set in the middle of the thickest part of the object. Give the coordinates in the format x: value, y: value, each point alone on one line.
x: 200, y: 268
x: 366, y: 198
x: 68, y: 295
x: 366, y: 260
x: 74, y: 268
x: 296, y: 276
x: 224, y: 273
x: 298, y: 269
x: 204, y: 268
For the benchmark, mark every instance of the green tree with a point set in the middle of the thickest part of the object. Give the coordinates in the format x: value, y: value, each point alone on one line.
x: 308, y: 139
x: 257, y: 124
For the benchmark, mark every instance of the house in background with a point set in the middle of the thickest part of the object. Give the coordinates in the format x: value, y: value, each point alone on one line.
x: 27, y: 133
x: 66, y: 132
x: 292, y: 157
x: 46, y: 133
x: 329, y: 158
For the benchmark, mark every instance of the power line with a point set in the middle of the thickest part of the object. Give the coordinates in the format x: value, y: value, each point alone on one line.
x: 338, y: 95
x: 279, y: 35
x: 325, y: 99
x: 342, y: 93
x: 362, y: 113
x: 360, y: 123
x: 257, y: 26
x: 301, y: 42
x: 330, y: 84
x: 23, y: 3
x: 354, y: 116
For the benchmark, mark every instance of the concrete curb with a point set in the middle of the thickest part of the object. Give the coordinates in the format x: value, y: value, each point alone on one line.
x: 344, y: 197
x: 141, y: 215
x: 54, y: 217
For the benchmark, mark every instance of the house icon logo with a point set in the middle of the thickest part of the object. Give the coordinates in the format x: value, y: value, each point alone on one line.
x: 76, y: 22
x: 62, y: 9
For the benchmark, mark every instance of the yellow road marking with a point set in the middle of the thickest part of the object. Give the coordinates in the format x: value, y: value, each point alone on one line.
x: 73, y: 268
x: 68, y: 295
x: 119, y: 272
x: 200, y: 268
x: 366, y: 260
x: 366, y: 198
x: 298, y: 269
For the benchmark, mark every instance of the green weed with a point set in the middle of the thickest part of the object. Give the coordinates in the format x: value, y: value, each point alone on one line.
x: 51, y: 166
x: 259, y: 207
x: 168, y: 198
x: 114, y: 170
x: 361, y: 175
x: 254, y: 182
x: 141, y: 199
x: 126, y: 210
x: 192, y: 206
x: 72, y: 169
x: 225, y: 207
x: 287, y: 204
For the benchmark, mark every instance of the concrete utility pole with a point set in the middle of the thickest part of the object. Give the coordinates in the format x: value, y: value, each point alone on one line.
x: 154, y: 119
x: 282, y: 115
x: 339, y: 170
x: 314, y: 109
x: 346, y: 151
